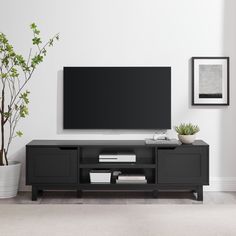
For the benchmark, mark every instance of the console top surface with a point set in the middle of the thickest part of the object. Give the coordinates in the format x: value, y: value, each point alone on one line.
x: 104, y: 143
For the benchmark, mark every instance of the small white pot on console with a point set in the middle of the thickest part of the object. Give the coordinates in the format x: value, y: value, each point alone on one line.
x: 9, y: 179
x: 187, y: 139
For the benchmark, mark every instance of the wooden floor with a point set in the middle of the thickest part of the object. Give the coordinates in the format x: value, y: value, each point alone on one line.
x: 69, y: 197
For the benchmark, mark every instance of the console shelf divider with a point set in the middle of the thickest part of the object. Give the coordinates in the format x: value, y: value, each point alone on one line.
x: 118, y: 166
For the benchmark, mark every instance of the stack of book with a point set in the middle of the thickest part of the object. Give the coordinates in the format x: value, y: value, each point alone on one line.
x: 131, y: 179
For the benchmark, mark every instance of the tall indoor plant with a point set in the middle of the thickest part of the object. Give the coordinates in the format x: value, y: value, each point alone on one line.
x: 15, y: 73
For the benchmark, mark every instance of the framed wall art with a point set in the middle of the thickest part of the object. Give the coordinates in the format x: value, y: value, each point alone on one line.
x: 210, y: 81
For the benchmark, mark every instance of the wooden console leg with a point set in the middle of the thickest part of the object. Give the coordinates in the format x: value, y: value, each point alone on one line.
x: 155, y: 193
x: 200, y: 193
x: 34, y: 195
x: 79, y: 193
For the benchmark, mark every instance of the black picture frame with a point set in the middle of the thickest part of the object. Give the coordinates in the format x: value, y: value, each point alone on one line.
x: 224, y: 100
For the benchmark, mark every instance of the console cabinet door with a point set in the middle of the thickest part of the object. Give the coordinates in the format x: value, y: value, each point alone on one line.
x: 183, y: 165
x: 51, y: 165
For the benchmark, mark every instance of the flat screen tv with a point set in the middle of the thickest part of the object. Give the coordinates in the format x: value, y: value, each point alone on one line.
x: 117, y: 98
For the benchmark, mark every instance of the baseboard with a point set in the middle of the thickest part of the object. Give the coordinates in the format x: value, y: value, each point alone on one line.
x: 216, y: 184
x: 23, y: 187
x: 221, y: 184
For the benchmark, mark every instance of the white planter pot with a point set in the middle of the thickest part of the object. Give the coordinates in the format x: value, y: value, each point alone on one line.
x: 187, y: 139
x: 9, y: 179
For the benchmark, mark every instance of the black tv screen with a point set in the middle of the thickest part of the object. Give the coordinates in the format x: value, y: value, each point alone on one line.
x: 117, y: 98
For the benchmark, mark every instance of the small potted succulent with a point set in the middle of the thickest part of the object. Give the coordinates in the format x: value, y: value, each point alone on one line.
x: 186, y: 132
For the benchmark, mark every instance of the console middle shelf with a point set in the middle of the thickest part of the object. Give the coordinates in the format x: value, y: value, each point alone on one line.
x: 118, y: 165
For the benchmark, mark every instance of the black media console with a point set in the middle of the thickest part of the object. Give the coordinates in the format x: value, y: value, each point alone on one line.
x: 65, y: 164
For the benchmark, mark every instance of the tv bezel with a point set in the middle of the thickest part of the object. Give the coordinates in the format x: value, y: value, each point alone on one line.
x: 118, y: 129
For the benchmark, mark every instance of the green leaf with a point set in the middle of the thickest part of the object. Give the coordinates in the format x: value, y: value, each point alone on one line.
x: 51, y: 42
x: 187, y: 129
x: 24, y: 111
x: 20, y: 60
x: 9, y: 48
x: 7, y: 114
x: 33, y: 26
x: 36, y: 40
x: 36, y: 60
x: 24, y: 97
x: 5, y: 61
x: 26, y: 68
x: 44, y: 51
x: 14, y: 73
x: 3, y: 39
x: 19, y: 133
x: 37, y: 32
x: 3, y: 75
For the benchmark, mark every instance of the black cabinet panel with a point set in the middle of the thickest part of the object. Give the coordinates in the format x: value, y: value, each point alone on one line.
x: 51, y: 165
x: 183, y: 166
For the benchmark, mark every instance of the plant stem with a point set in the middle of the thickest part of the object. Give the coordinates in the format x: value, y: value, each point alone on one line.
x: 2, y: 127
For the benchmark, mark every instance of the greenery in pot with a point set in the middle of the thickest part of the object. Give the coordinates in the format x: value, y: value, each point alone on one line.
x: 187, y: 129
x: 15, y: 73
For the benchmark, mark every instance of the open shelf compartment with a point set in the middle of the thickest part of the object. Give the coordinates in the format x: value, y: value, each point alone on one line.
x: 149, y: 174
x: 90, y: 155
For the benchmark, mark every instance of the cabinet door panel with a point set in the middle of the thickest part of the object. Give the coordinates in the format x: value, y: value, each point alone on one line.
x: 183, y: 166
x: 51, y: 165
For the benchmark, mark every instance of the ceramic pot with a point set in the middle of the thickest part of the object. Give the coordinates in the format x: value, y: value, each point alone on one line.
x: 186, y: 139
x: 9, y: 179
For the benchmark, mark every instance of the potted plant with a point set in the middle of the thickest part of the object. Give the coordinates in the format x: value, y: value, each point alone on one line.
x: 186, y: 132
x: 15, y: 73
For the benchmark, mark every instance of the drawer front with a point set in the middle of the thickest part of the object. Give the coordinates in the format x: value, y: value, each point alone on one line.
x: 183, y: 166
x: 51, y: 165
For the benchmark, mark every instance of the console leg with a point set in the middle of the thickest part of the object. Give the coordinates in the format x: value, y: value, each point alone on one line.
x: 155, y: 193
x: 34, y: 195
x: 79, y: 193
x: 40, y: 192
x: 200, y: 193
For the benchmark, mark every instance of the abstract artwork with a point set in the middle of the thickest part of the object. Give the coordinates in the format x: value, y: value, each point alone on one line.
x: 210, y: 81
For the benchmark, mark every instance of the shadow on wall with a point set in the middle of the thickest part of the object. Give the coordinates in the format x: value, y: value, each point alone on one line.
x: 228, y: 116
x: 225, y: 144
x: 19, y: 156
x: 215, y: 145
x: 60, y: 102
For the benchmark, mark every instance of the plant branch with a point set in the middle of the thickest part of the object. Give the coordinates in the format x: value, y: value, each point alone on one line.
x: 12, y: 67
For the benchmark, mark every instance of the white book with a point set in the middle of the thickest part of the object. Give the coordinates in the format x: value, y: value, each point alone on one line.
x: 131, y: 177
x: 116, y: 155
x: 131, y: 181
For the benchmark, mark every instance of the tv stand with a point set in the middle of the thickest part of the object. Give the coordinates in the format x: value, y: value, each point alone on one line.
x: 65, y: 164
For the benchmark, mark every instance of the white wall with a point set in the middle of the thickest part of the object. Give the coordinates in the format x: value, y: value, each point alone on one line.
x: 128, y: 32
